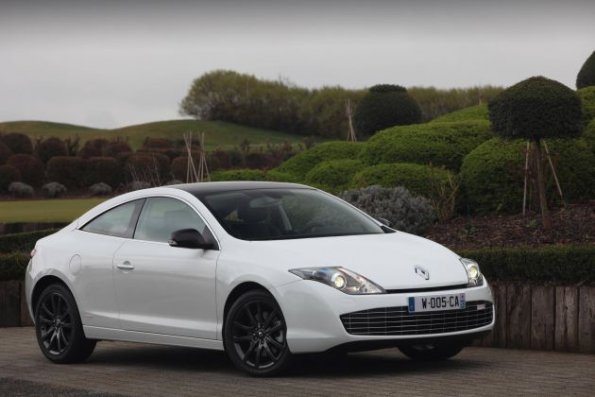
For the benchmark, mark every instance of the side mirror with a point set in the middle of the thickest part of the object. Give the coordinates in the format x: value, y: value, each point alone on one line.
x: 189, y: 238
x: 384, y: 221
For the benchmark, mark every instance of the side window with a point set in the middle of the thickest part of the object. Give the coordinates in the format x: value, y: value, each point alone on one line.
x: 118, y: 221
x: 162, y: 216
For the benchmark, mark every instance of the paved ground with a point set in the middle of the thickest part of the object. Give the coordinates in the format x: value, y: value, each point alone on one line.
x: 145, y: 370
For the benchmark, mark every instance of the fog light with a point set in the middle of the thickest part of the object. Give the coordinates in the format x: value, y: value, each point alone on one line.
x: 338, y: 281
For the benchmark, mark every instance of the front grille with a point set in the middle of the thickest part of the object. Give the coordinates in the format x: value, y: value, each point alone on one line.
x: 398, y: 321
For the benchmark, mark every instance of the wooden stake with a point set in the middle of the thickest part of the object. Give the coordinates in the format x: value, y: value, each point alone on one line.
x: 526, y: 175
x: 545, y: 214
x: 549, y: 159
x: 351, y: 137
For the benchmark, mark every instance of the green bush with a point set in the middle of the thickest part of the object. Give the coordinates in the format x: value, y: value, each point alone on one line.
x: 536, y: 108
x: 148, y: 167
x: 8, y: 175
x: 278, y: 176
x: 18, y: 143
x: 439, y: 144
x: 333, y: 175
x: 586, y: 76
x: 492, y: 174
x: 12, y: 266
x: 69, y: 171
x: 419, y: 179
x: 587, y: 96
x: 49, y: 148
x: 30, y: 168
x: 300, y: 164
x: 5, y: 153
x: 589, y: 135
x: 557, y: 264
x: 10, y: 243
x: 239, y: 175
x: 103, y: 169
x: 473, y: 113
x: 385, y: 106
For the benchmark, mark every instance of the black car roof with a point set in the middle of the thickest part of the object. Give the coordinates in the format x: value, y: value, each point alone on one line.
x: 202, y: 188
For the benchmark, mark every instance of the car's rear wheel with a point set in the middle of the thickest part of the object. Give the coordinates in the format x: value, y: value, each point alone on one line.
x: 432, y: 351
x: 254, y: 335
x: 58, y: 327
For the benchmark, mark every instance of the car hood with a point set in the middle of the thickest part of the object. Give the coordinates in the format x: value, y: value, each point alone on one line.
x: 388, y: 260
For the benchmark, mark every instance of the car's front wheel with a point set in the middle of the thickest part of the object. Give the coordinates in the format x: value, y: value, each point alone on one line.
x: 254, y: 335
x: 432, y: 351
x: 58, y: 327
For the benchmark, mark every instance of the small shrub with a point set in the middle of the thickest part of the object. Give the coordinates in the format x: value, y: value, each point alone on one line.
x: 440, y: 144
x: 69, y: 171
x: 114, y: 147
x: 103, y: 169
x: 300, y: 164
x: 49, y: 148
x: 30, y: 168
x: 54, y: 189
x: 20, y: 189
x: 587, y: 96
x: 333, y: 175
x: 100, y: 189
x: 239, y: 175
x: 404, y: 211
x: 18, y: 143
x: 149, y: 167
x: 93, y: 148
x: 473, y: 113
x: 277, y: 176
x: 157, y: 143
x: 586, y: 76
x: 8, y: 175
x: 5, y: 153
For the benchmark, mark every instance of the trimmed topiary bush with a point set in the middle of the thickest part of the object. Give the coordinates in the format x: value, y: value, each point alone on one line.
x: 54, y: 189
x: 473, y: 113
x: 587, y: 96
x: 589, y: 135
x: 492, y: 174
x: 30, y: 168
x: 69, y: 171
x: 277, y: 176
x: 8, y: 175
x: 20, y: 189
x: 334, y: 175
x: 300, y: 164
x: 385, y: 106
x: 18, y: 143
x: 586, y: 76
x: 439, y: 144
x: 51, y: 147
x: 103, y: 169
x: 5, y: 153
x: 93, y: 148
x: 404, y: 211
x: 148, y: 167
x: 100, y: 189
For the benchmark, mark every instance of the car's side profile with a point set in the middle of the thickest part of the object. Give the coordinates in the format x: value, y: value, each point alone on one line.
x: 261, y: 270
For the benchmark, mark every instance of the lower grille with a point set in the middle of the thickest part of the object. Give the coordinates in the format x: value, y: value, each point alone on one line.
x: 398, y: 321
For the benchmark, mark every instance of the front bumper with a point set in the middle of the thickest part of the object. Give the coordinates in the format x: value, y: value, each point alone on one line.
x: 313, y: 313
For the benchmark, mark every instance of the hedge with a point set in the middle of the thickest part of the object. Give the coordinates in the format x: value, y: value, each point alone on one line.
x: 334, y: 175
x: 472, y: 113
x: 441, y: 144
x: 492, y: 174
x: 252, y: 175
x: 12, y: 266
x: 300, y: 164
x: 69, y: 171
x: 30, y: 168
x: 10, y: 243
x: 556, y: 263
x: 589, y: 135
x: 587, y: 96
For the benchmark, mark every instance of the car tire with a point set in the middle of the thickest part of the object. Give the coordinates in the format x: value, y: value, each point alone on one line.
x: 431, y: 351
x: 58, y: 327
x: 254, y: 335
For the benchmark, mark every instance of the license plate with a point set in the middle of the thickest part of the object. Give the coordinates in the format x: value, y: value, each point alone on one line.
x: 436, y: 302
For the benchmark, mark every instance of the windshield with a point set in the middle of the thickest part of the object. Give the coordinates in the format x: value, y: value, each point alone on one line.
x: 274, y: 214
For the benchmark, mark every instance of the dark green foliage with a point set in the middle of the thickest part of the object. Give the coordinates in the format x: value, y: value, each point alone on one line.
x: 586, y: 76
x: 419, y: 179
x: 103, y: 169
x: 404, y: 211
x: 439, y: 144
x: 587, y: 96
x: 473, y: 113
x: 536, y: 108
x: 300, y: 164
x: 30, y: 168
x: 589, y: 135
x: 69, y: 171
x: 5, y: 153
x: 277, y: 176
x: 101, y: 147
x: 13, y: 265
x: 385, y: 106
x: 239, y: 175
x: 25, y: 241
x: 560, y: 264
x: 157, y: 143
x: 333, y: 175
x: 18, y: 143
x: 49, y: 148
x: 492, y: 174
x: 8, y: 175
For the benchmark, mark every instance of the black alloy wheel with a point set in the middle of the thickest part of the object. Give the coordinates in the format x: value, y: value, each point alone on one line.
x: 432, y: 351
x: 254, y: 335
x: 58, y: 327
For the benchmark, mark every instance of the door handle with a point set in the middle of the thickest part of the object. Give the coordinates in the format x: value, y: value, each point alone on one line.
x: 125, y: 266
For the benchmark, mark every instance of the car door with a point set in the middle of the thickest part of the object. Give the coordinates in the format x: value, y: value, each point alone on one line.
x: 162, y: 289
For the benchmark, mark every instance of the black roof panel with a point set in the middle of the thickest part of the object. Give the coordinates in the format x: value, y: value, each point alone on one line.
x: 201, y: 188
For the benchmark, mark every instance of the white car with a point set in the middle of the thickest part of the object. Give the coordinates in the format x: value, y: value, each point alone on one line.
x: 261, y: 270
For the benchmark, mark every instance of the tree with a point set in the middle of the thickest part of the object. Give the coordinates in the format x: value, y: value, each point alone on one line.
x: 535, y: 109
x: 586, y: 76
x: 385, y: 106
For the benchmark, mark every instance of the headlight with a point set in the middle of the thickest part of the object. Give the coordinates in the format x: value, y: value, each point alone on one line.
x: 473, y: 273
x: 341, y: 279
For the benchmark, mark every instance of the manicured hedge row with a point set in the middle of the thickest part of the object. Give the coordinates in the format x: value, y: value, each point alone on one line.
x: 24, y: 242
x: 556, y: 264
x: 12, y: 266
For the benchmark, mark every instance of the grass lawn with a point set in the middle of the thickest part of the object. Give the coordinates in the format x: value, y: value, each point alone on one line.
x: 59, y: 210
x: 218, y: 134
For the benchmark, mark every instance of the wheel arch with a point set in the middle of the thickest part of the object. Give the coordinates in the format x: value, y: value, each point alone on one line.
x: 42, y: 284
x: 238, y: 291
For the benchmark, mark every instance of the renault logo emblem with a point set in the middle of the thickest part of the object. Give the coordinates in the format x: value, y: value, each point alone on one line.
x: 421, y: 272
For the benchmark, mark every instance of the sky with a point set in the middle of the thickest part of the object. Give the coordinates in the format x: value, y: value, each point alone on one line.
x: 106, y: 63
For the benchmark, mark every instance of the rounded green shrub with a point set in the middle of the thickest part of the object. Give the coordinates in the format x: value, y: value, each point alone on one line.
x: 69, y: 171
x: 589, y: 135
x: 419, y: 179
x: 103, y: 169
x: 300, y: 164
x: 587, y: 96
x: 586, y: 76
x: 439, y: 144
x: 239, y: 175
x: 492, y: 174
x: 49, y: 148
x: 472, y: 113
x: 385, y: 106
x: 536, y: 108
x: 5, y: 153
x: 18, y: 143
x: 333, y: 175
x: 8, y: 175
x: 30, y: 168
x: 148, y: 167
x: 278, y: 176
